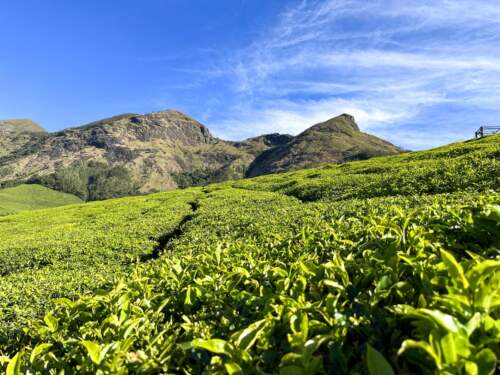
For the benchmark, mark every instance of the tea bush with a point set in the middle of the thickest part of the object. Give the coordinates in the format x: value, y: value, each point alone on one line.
x: 472, y: 166
x: 385, y: 266
x: 47, y: 254
x: 308, y: 295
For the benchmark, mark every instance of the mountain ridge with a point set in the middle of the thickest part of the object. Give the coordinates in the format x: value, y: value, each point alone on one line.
x: 169, y: 149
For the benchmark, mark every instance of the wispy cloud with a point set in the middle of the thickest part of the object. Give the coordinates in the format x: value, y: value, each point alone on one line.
x: 419, y: 72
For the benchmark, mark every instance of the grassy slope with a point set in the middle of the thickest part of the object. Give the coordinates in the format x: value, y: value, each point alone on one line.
x: 21, y: 126
x: 30, y: 197
x: 329, y: 250
x: 472, y: 165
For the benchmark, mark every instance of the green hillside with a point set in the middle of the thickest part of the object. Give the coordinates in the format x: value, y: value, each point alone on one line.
x: 390, y: 265
x: 30, y: 197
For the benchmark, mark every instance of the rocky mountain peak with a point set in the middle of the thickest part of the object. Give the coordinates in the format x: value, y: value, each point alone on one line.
x: 169, y: 114
x: 344, y: 123
x: 169, y: 126
x: 180, y: 125
x: 335, y: 140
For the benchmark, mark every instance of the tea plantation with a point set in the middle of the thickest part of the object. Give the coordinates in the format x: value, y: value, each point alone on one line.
x: 385, y: 266
x: 29, y: 197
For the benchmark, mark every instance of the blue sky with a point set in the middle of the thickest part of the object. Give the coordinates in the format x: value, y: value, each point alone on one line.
x: 419, y: 73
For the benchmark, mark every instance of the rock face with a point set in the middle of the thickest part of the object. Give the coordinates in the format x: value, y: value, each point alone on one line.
x: 167, y: 149
x: 154, y: 148
x: 336, y: 140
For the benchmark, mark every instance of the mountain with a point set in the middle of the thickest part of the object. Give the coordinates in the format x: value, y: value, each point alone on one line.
x: 336, y: 140
x: 16, y: 133
x: 155, y: 151
x: 257, y: 145
x: 133, y: 153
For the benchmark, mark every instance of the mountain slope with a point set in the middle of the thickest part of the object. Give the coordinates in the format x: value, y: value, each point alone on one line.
x: 21, y: 126
x: 131, y: 153
x: 257, y: 145
x: 470, y: 165
x: 151, y: 148
x: 336, y: 140
x: 30, y: 197
x: 16, y: 133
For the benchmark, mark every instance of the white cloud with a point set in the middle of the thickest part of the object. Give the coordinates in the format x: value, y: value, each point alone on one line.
x: 294, y: 117
x: 416, y: 61
x: 388, y: 62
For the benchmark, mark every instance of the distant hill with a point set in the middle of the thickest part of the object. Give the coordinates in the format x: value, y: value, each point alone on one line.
x: 30, y: 197
x: 17, y: 133
x: 21, y: 126
x: 336, y: 140
x: 132, y: 153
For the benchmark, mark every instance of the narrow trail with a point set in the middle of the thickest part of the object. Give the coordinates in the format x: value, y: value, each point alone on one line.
x: 166, y: 239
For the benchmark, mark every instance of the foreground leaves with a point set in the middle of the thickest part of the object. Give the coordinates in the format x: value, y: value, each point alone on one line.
x: 245, y: 278
x: 296, y: 291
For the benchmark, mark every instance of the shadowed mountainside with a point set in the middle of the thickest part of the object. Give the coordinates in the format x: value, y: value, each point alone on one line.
x: 336, y: 140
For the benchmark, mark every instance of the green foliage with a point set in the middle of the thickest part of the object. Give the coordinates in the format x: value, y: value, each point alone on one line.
x: 377, y: 364
x: 30, y: 197
x: 91, y: 181
x: 263, y: 281
x: 67, y: 251
x: 198, y: 177
x: 359, y: 275
x: 460, y: 339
